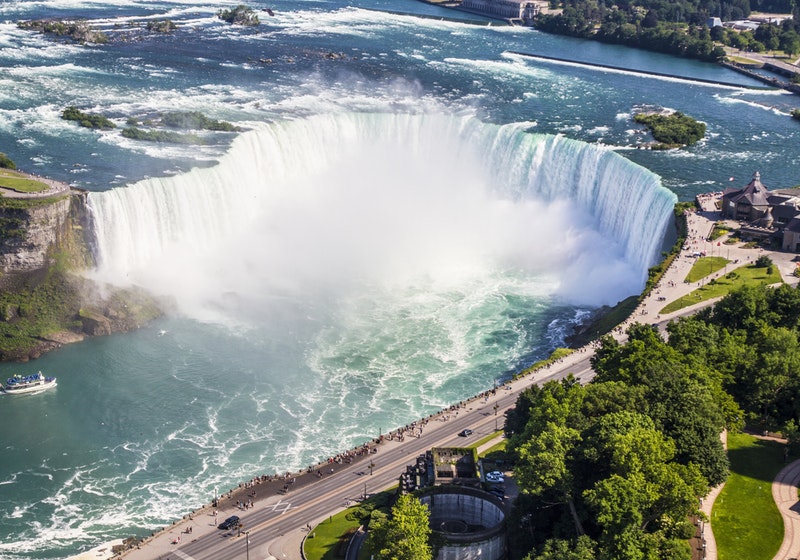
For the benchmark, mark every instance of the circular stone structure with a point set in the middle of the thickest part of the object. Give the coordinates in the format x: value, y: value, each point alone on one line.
x: 471, y: 523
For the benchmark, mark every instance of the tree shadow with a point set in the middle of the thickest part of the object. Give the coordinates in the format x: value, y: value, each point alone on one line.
x: 761, y: 460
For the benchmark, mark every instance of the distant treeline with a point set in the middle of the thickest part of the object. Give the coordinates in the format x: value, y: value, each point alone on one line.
x: 676, y: 27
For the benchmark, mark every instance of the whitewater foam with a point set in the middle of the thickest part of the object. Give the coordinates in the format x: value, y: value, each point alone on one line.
x: 308, y: 188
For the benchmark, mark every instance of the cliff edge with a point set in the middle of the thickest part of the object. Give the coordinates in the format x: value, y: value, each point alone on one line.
x: 45, y: 300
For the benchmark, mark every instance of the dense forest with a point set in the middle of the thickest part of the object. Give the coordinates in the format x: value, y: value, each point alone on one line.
x: 676, y: 27
x: 614, y: 469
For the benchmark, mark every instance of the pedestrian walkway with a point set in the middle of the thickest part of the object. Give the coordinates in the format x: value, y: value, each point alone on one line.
x: 784, y: 492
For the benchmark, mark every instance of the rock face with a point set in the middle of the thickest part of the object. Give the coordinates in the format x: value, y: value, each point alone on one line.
x: 30, y: 234
x: 45, y: 302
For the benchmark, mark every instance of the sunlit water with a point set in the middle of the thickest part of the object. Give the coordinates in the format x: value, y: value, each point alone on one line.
x: 401, y: 225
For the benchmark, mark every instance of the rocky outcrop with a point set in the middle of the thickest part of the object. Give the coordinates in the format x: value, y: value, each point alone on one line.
x: 28, y: 232
x: 45, y: 301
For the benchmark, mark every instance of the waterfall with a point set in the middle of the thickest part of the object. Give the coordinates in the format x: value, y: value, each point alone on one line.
x: 429, y: 177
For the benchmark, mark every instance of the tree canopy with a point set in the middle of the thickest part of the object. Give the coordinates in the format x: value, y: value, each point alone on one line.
x: 405, y: 535
x: 613, y: 469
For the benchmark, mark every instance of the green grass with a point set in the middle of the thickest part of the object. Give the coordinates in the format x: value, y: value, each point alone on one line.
x: 19, y: 182
x: 705, y: 266
x: 556, y: 355
x: 323, y: 541
x: 745, y: 519
x: 327, y: 538
x: 748, y: 274
x: 492, y: 435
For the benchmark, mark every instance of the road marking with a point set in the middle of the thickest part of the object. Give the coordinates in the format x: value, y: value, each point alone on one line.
x: 181, y: 554
x: 280, y: 506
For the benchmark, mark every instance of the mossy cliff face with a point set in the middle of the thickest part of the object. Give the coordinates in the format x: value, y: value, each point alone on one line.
x: 45, y: 301
x: 29, y: 230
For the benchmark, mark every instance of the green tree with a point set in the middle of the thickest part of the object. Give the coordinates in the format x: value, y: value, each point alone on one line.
x: 6, y: 162
x: 645, y: 488
x: 405, y: 535
x: 582, y: 548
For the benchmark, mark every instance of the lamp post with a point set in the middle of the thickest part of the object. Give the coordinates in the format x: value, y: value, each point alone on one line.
x: 247, y: 542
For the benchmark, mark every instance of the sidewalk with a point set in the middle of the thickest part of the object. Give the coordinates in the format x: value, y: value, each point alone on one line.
x: 784, y: 491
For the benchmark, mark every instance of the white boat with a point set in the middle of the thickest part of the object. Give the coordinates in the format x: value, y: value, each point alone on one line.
x: 36, y: 383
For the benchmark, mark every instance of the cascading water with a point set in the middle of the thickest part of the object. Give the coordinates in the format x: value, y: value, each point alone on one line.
x: 316, y: 202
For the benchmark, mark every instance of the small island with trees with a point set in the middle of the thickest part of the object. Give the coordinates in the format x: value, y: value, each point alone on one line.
x: 671, y: 129
x: 240, y: 15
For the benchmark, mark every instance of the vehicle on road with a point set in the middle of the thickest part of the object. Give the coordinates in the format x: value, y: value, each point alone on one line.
x: 466, y: 432
x: 494, y: 476
x: 229, y: 523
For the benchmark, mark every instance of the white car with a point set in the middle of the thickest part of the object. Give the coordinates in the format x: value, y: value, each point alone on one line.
x: 494, y: 476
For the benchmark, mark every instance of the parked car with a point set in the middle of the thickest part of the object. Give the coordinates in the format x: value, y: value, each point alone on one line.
x: 465, y: 433
x: 229, y: 523
x: 494, y: 476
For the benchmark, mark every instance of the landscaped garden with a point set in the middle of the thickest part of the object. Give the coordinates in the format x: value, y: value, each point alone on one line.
x: 714, y: 288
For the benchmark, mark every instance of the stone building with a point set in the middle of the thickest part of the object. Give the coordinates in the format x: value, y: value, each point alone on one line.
x: 749, y: 203
x: 764, y: 214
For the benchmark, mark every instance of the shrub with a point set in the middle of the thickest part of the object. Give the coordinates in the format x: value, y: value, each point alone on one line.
x: 764, y: 262
x: 6, y: 163
x: 194, y: 120
x: 165, y: 136
x: 88, y: 120
x: 672, y: 130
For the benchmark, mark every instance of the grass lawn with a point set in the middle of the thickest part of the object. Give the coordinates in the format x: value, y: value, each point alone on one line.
x: 326, y: 537
x: 748, y: 274
x: 19, y: 182
x: 745, y: 519
x: 704, y: 266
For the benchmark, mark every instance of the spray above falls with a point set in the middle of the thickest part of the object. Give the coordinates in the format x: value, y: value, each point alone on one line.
x: 330, y: 203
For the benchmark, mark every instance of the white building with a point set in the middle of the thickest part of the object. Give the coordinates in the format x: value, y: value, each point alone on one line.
x: 515, y: 11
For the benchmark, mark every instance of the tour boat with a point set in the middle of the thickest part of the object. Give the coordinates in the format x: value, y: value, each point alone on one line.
x: 36, y: 383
